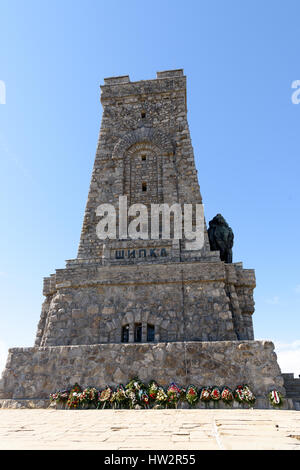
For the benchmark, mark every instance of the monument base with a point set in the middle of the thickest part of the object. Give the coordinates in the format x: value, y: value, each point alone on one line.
x: 31, y: 374
x: 260, y: 403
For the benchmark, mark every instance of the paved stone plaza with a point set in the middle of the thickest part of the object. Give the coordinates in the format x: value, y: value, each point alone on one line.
x: 149, y: 429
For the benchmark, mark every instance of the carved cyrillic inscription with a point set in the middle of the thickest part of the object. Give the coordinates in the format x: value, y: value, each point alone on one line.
x: 140, y: 253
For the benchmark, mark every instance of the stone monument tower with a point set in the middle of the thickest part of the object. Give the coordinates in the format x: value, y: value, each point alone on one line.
x: 152, y: 307
x: 145, y: 152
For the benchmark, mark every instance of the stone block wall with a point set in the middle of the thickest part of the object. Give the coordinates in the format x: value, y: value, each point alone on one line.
x: 292, y: 387
x: 114, y: 284
x: 183, y: 301
x: 34, y: 373
x: 140, y: 119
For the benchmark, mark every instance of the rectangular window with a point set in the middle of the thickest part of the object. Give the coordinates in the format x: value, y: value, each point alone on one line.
x: 125, y: 334
x: 138, y: 333
x: 150, y: 333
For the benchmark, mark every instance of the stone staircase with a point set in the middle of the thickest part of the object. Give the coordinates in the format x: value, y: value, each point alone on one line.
x: 292, y: 387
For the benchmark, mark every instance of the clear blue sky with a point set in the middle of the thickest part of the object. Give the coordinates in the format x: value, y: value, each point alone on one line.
x: 240, y: 59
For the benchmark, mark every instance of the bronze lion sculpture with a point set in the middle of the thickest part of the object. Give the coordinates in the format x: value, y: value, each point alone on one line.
x: 221, y: 237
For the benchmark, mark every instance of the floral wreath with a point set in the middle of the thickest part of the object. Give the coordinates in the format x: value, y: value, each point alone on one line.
x: 205, y: 394
x: 192, y: 395
x: 138, y: 395
x: 276, y: 399
x: 215, y: 394
x: 227, y: 395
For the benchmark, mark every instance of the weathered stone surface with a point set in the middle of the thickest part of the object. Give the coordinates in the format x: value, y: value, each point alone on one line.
x: 201, y: 363
x: 184, y: 301
x: 151, y: 308
x: 184, y: 294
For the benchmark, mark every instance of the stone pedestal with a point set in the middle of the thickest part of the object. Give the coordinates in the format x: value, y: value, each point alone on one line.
x: 33, y: 373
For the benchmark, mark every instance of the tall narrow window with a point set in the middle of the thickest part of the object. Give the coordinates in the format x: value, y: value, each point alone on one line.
x: 150, y: 333
x: 125, y: 334
x: 143, y: 114
x: 144, y: 158
x: 144, y: 186
x: 138, y: 333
